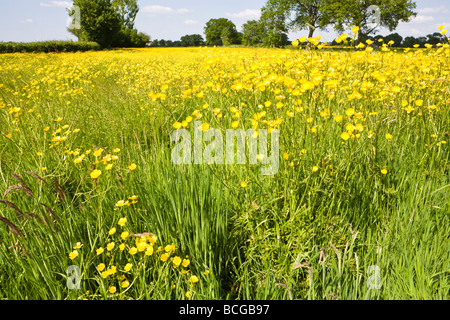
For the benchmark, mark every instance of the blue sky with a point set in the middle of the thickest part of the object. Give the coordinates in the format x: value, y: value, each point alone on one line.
x: 38, y: 20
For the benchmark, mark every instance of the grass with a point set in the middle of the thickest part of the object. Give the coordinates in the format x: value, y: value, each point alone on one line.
x: 343, y: 231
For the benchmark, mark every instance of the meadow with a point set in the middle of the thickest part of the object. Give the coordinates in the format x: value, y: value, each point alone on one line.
x: 359, y: 208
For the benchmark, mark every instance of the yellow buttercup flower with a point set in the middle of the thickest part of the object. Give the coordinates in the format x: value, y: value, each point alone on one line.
x: 164, y: 257
x: 95, y: 174
x: 122, y: 221
x: 73, y: 254
x: 128, y: 267
x: 132, y: 166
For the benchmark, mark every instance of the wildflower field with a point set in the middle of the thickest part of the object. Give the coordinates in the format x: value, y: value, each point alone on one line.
x: 93, y: 207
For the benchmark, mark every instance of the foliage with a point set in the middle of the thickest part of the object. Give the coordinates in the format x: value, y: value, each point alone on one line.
x: 192, y: 40
x: 252, y: 33
x: 47, y: 46
x: 109, y: 23
x: 221, y: 32
x: 358, y: 13
x: 273, y: 22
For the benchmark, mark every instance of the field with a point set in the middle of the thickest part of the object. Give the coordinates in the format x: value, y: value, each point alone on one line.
x: 94, y: 207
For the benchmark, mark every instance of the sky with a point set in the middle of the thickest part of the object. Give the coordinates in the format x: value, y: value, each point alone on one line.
x: 39, y: 20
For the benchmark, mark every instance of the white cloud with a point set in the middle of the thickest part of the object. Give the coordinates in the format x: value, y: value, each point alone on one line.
x: 155, y: 9
x: 247, y: 14
x: 440, y: 9
x: 183, y: 11
x: 61, y: 4
x: 191, y: 22
x: 421, y: 18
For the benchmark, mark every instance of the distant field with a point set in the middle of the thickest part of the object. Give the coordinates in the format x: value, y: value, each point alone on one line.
x: 358, y: 208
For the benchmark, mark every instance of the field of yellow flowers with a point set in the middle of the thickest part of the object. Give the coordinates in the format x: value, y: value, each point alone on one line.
x: 92, y: 206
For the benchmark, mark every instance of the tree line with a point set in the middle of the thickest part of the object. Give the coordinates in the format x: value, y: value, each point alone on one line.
x: 110, y: 23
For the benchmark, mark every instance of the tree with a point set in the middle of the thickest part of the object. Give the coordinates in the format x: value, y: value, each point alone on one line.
x: 369, y: 15
x: 310, y: 14
x: 436, y: 38
x: 99, y: 21
x: 110, y: 23
x: 273, y: 22
x: 252, y: 33
x: 127, y: 11
x: 216, y: 29
x: 394, y: 37
x: 192, y: 40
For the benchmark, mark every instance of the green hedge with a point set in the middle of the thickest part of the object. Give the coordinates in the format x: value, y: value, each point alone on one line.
x: 47, y: 46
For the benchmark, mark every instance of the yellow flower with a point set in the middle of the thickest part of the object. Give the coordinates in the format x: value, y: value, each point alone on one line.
x: 119, y: 204
x: 44, y: 169
x: 9, y: 135
x: 133, y: 251
x: 98, y: 152
x: 388, y: 136
x: 132, y: 166
x: 315, y: 169
x: 302, y: 39
x: 441, y: 27
x: 128, y: 267
x: 185, y: 263
x: 235, y: 124
x: 100, y: 251
x: 295, y: 43
x: 95, y: 174
x: 112, y: 231
x: 112, y: 289
x: 110, y: 246
x: 105, y: 274
x: 193, y: 279
x: 149, y: 251
x: 122, y: 221
x: 188, y: 294
x: 244, y: 184
x: 176, y: 262
x: 122, y: 246
x: 164, y: 257
x: 78, y: 245
x: 338, y: 118
x: 206, y: 272
x: 141, y: 246
x: 101, y: 267
x: 125, y: 284
x: 384, y: 171
x: 117, y: 150
x: 177, y: 125
x: 124, y: 235
x: 109, y: 167
x: 170, y: 248
x: 73, y: 254
x: 444, y: 31
x: 345, y: 136
x: 46, y: 128
x: 355, y: 29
